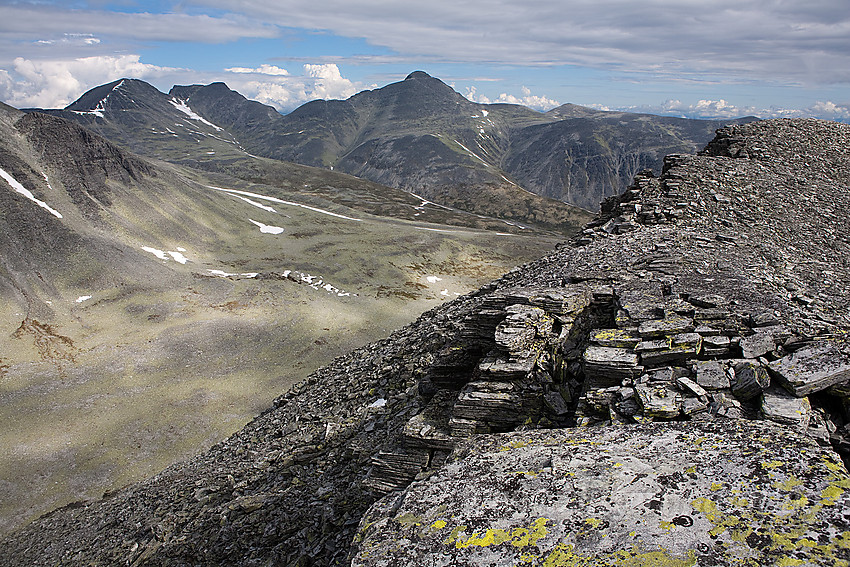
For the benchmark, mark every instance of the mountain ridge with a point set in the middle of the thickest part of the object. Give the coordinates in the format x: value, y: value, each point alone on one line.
x: 420, y: 135
x: 700, y: 320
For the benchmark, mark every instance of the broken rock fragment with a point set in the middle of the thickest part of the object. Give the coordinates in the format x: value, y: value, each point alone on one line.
x: 779, y: 406
x: 814, y: 368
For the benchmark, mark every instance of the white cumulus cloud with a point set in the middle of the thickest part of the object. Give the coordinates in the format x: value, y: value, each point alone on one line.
x: 285, y: 91
x: 263, y: 69
x: 328, y: 82
x: 56, y: 83
x: 528, y: 99
x: 722, y: 109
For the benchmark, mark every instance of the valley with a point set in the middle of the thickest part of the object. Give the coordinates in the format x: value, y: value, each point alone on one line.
x: 150, y: 310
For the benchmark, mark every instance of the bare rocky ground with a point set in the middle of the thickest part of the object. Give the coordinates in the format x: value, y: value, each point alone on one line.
x: 669, y: 389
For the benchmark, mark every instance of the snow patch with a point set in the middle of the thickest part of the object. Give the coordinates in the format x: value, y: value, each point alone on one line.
x: 256, y: 204
x: 223, y: 274
x: 282, y: 202
x: 99, y: 109
x: 177, y: 255
x: 473, y: 154
x: 437, y: 229
x: 267, y: 229
x: 184, y: 108
x: 433, y: 279
x: 484, y: 113
x: 28, y: 194
x: 156, y: 252
x: 379, y: 403
x: 83, y: 298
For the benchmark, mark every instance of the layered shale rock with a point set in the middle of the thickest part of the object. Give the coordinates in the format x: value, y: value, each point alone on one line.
x: 670, y: 389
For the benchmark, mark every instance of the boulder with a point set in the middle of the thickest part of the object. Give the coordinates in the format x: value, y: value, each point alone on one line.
x: 779, y: 406
x: 609, y: 364
x: 814, y: 368
x: 750, y: 379
x: 714, y: 492
x: 711, y: 375
x: 660, y: 328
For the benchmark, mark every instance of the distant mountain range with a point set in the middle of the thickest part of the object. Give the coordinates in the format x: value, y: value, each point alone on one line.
x: 417, y: 134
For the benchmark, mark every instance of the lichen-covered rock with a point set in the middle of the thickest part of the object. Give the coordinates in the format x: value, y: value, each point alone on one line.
x: 814, y: 368
x: 781, y: 407
x: 725, y: 492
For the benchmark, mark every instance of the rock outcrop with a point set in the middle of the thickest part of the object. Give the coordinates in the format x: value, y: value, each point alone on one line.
x: 670, y: 389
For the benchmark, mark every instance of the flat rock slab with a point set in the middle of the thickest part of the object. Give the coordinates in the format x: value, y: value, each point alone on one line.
x: 780, y: 406
x: 724, y: 492
x: 813, y: 368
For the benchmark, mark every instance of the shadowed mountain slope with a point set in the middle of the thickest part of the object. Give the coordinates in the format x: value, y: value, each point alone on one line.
x: 696, y: 333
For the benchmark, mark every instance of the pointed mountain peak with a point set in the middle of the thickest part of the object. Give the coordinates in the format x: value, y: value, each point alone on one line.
x: 418, y: 75
x: 104, y: 97
x: 420, y: 84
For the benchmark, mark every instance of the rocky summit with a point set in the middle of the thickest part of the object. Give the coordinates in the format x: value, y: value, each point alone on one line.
x: 671, y: 388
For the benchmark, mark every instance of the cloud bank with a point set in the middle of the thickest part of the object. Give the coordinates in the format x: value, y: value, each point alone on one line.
x: 56, y: 83
x: 277, y: 87
x: 787, y: 42
x: 528, y: 99
x: 720, y: 109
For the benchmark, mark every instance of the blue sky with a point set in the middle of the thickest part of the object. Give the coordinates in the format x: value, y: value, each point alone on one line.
x: 716, y: 59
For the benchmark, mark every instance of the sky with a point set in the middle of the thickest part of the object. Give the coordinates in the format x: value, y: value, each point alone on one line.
x: 718, y: 59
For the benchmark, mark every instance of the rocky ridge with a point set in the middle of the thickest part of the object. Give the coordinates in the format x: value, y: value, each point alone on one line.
x: 684, y: 365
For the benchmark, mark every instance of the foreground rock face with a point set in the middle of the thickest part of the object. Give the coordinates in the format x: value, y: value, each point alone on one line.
x: 725, y: 492
x: 695, y: 335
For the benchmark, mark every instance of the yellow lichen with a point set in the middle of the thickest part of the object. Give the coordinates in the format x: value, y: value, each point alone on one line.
x: 517, y: 537
x: 593, y: 522
x: 787, y: 485
x: 564, y: 555
x: 439, y: 524
x: 830, y: 494
x: 409, y: 519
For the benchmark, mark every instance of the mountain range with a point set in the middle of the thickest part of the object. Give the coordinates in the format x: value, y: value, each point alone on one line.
x: 670, y: 387
x: 417, y: 134
x: 172, y: 262
x: 149, y: 309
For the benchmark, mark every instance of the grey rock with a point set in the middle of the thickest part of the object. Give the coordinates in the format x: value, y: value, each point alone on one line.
x: 609, y: 364
x: 762, y: 342
x: 556, y: 404
x: 712, y: 375
x: 779, y: 406
x: 688, y: 385
x: 750, y: 379
x: 672, y: 326
x: 659, y: 400
x: 657, y: 494
x: 616, y: 338
x: 813, y: 369
x: 719, y: 345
